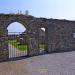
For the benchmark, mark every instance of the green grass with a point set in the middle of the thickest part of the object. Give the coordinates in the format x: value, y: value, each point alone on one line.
x: 16, y: 45
x: 42, y: 46
x: 23, y: 47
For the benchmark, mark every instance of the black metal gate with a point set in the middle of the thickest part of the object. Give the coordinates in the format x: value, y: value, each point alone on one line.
x: 17, y: 43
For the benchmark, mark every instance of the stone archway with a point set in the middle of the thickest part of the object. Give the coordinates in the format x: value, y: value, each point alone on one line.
x: 4, y: 53
x: 57, y: 32
x: 17, y: 40
x: 32, y: 25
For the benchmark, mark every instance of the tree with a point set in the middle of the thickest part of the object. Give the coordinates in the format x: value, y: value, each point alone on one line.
x: 27, y: 12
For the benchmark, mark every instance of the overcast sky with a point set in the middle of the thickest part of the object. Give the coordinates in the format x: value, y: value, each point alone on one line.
x: 60, y: 9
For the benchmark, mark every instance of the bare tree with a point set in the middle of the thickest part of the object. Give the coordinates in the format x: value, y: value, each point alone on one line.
x: 26, y: 12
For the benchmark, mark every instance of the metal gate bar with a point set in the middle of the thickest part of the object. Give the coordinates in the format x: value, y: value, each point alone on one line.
x: 17, y: 44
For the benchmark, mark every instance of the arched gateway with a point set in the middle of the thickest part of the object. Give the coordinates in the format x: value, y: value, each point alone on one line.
x: 59, y: 35
x: 32, y: 28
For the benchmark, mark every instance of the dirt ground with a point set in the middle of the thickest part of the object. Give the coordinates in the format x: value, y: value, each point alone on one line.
x: 50, y: 64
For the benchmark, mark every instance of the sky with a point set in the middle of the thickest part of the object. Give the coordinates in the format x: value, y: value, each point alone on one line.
x: 57, y: 9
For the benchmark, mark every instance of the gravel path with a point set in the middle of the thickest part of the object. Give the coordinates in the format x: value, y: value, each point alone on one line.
x: 50, y: 64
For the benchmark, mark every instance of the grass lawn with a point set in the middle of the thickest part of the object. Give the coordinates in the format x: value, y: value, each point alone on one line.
x: 16, y: 45
x: 23, y: 47
x: 41, y: 46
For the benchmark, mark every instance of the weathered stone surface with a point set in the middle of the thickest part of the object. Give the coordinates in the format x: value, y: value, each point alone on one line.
x: 33, y: 47
x: 58, y: 33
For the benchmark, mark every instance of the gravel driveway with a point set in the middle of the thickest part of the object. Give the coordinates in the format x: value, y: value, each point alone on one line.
x: 50, y: 64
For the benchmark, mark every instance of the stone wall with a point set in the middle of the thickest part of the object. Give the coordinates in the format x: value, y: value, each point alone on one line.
x: 58, y: 34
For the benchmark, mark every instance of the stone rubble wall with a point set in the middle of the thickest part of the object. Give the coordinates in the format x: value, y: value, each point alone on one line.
x: 58, y: 34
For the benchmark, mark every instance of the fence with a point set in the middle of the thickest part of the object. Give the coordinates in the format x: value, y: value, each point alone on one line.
x: 17, y: 44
